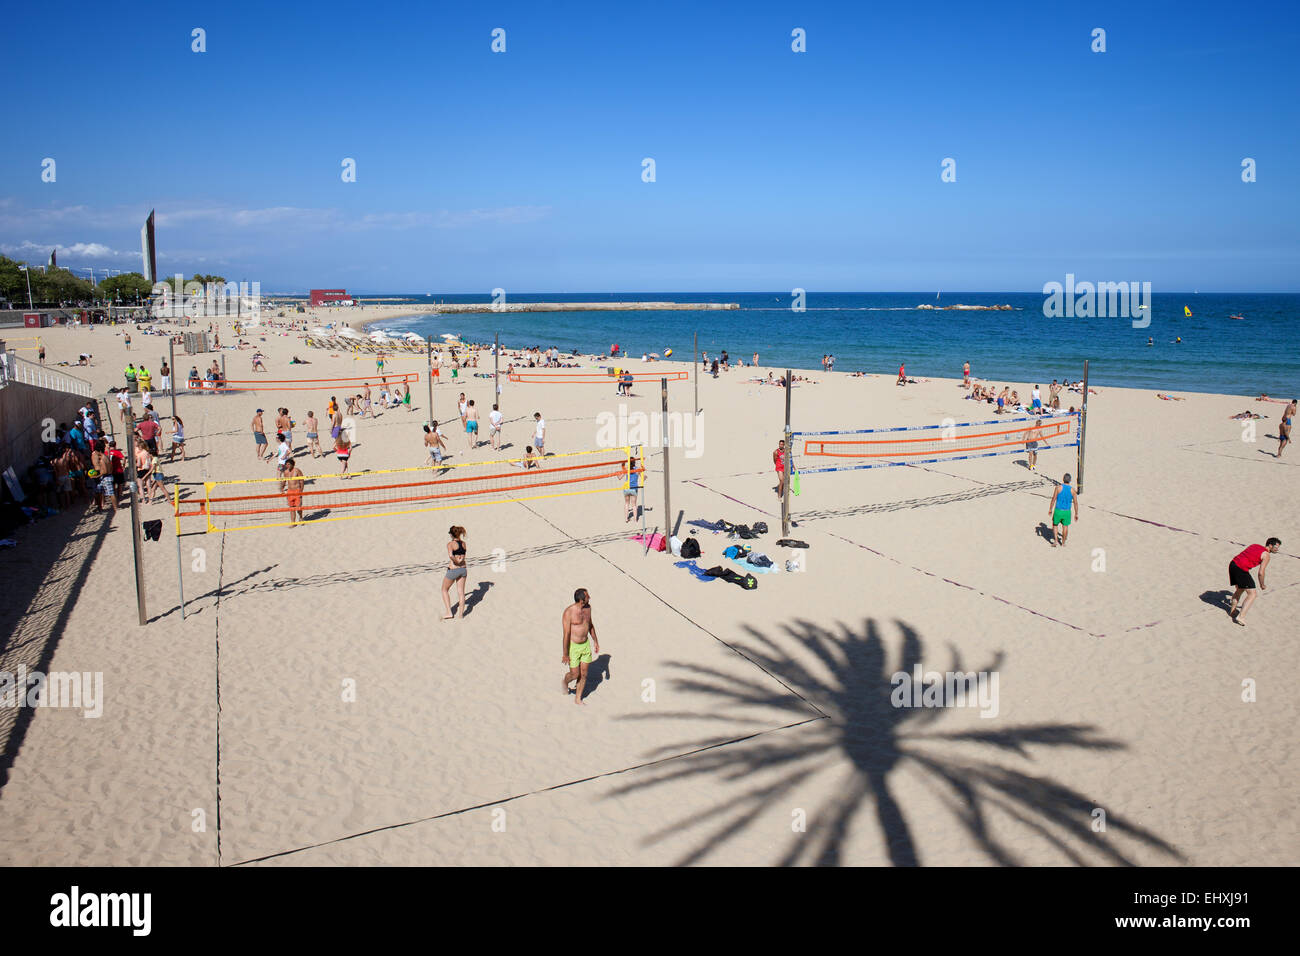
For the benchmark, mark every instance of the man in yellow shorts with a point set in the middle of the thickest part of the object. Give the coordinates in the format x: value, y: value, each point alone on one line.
x: 581, y: 646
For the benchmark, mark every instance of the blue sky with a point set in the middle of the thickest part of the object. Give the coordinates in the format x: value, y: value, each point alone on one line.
x: 775, y: 169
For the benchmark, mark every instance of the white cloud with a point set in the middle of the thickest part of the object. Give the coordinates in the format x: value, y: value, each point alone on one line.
x: 78, y: 250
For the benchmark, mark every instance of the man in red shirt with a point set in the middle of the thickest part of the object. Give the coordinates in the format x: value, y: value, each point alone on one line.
x: 148, y: 430
x: 1257, y: 555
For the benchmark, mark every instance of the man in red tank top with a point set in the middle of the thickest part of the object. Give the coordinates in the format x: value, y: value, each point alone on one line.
x: 1255, y: 556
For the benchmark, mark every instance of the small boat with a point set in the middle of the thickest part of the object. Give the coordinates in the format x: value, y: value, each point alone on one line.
x: 1238, y: 317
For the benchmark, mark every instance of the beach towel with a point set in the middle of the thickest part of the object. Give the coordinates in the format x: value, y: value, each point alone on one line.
x: 754, y: 568
x: 791, y: 543
x: 655, y: 542
x: 746, y: 581
x: 696, y: 571
x: 794, y: 485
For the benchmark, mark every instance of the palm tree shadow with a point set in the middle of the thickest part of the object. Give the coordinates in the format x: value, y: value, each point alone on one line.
x: 865, y: 734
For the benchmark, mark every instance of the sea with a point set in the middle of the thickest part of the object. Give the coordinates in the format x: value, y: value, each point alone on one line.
x: 874, y: 331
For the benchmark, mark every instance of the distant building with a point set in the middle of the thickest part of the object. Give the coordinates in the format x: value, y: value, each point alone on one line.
x: 331, y: 297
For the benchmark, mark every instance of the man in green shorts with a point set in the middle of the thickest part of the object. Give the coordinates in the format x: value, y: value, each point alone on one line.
x: 1061, y: 504
x: 579, y: 649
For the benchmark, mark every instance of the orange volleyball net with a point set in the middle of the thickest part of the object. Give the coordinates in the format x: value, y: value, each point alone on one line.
x: 377, y: 381
x: 275, y: 502
x: 596, y: 378
x: 926, y: 444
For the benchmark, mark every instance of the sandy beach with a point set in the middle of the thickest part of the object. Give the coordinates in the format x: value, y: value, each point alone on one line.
x: 312, y: 708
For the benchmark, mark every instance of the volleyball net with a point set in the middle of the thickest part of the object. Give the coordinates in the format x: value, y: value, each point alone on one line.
x: 927, y: 444
x: 376, y: 381
x: 277, y: 502
x: 595, y: 378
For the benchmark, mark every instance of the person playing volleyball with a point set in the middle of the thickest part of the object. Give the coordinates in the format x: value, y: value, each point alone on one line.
x: 291, y: 482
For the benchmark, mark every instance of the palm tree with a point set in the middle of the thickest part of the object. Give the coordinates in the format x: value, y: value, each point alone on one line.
x: 855, y: 726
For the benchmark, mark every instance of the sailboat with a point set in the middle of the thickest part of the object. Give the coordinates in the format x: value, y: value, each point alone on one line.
x: 1187, y: 313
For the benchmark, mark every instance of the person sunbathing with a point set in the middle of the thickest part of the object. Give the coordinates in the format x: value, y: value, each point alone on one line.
x: 1169, y: 398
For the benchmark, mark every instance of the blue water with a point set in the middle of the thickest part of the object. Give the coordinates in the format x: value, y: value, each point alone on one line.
x: 873, y: 332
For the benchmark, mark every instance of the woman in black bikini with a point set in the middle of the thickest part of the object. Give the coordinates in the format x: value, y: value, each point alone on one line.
x: 456, y: 571
x: 1284, y: 428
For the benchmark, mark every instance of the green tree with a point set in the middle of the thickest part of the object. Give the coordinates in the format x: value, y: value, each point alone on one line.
x: 126, y: 286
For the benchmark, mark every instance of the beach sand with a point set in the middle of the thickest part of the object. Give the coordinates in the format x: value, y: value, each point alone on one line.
x: 726, y: 726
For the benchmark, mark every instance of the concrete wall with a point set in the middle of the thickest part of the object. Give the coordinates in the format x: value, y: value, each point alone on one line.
x: 23, y: 409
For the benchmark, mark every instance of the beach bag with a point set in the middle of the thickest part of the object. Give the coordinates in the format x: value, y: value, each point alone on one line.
x: 760, y: 527
x: 675, y: 545
x: 794, y: 484
x: 690, y: 548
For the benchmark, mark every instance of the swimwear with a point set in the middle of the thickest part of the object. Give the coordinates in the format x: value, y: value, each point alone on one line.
x: 1061, y: 516
x: 312, y: 436
x: 579, y: 653
x: 343, y: 455
x: 259, y: 437
x: 471, y: 426
x: 1239, y: 577
x: 106, y: 484
x: 455, y: 573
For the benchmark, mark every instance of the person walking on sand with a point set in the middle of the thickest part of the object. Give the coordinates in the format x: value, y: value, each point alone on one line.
x: 178, y: 438
x: 291, y: 482
x: 539, y: 434
x: 471, y: 424
x: 1239, y: 568
x: 41, y: 353
x: 1284, y: 428
x: 778, y: 459
x: 965, y: 374
x: 494, y: 420
x: 456, y: 571
x: 902, y: 374
x: 259, y: 436
x: 313, y: 434
x: 462, y: 407
x: 435, y: 444
x: 366, y: 408
x: 633, y: 487
x: 284, y: 425
x: 343, y: 452
x: 1062, y: 501
x: 1032, y: 436
x: 580, y: 642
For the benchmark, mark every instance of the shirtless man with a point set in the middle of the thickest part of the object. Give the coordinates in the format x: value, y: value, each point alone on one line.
x: 104, y: 490
x: 291, y: 482
x: 578, y: 650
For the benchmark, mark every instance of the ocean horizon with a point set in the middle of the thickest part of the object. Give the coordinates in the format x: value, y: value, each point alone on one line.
x: 873, y: 332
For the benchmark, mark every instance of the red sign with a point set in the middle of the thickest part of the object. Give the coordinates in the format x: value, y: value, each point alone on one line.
x: 324, y: 296
x: 32, y: 320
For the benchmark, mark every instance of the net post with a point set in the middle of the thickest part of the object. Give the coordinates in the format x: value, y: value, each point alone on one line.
x: 133, y: 480
x: 180, y: 580
x: 1083, y: 431
x: 223, y: 369
x: 428, y: 345
x: 171, y: 345
x: 786, y: 460
x: 496, y: 371
x: 668, y: 509
x: 695, y: 372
